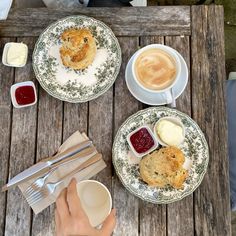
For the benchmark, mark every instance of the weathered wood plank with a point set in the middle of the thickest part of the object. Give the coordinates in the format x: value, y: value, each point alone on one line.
x: 22, y: 153
x: 6, y: 80
x: 211, y: 202
x: 125, y: 105
x: 126, y: 21
x: 75, y: 118
x: 50, y: 118
x: 100, y: 131
x: 152, y: 217
x: 180, y: 214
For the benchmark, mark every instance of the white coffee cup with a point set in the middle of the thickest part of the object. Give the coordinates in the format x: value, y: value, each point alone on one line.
x: 173, y: 54
x: 95, y: 199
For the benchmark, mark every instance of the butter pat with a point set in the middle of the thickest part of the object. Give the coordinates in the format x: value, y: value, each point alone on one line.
x: 17, y: 54
x: 170, y: 133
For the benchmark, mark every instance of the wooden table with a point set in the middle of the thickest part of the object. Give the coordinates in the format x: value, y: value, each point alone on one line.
x: 28, y: 135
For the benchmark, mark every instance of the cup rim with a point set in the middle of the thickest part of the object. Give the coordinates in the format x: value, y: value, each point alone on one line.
x: 104, y: 187
x: 169, y: 50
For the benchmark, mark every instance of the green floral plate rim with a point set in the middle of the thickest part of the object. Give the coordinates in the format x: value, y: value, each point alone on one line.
x: 44, y: 66
x: 194, y: 147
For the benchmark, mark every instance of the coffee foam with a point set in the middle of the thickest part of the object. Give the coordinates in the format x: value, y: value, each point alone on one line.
x: 155, y: 69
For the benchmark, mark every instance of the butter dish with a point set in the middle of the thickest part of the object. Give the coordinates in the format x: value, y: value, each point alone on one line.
x: 172, y: 137
x: 15, y: 54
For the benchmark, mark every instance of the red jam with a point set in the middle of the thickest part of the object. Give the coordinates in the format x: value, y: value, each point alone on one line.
x: 25, y: 95
x: 142, y: 140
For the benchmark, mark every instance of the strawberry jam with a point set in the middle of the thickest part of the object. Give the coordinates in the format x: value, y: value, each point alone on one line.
x: 25, y: 95
x: 142, y: 140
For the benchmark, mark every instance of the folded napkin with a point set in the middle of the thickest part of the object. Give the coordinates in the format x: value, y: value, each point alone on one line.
x: 231, y: 109
x: 86, y: 173
x: 5, y: 6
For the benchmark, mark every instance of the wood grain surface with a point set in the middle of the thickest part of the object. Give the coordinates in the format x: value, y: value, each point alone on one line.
x: 22, y: 154
x: 126, y: 21
x: 211, y: 202
x: 125, y: 105
x: 100, y: 131
x: 29, y: 134
x: 6, y: 80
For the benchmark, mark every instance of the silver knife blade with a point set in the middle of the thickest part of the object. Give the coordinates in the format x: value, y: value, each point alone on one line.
x: 26, y: 174
x: 40, y: 166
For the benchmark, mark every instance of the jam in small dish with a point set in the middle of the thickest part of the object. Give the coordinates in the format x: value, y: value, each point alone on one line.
x: 142, y: 141
x: 23, y: 94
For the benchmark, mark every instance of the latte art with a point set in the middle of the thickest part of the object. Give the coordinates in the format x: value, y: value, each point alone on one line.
x: 155, y: 69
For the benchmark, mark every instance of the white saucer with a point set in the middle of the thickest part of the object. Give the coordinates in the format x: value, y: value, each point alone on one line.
x: 153, y: 98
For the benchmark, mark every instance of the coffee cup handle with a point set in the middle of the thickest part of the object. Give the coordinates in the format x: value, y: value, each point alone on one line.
x: 168, y: 96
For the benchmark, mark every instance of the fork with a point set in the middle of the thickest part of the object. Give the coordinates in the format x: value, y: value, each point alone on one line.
x: 50, y: 187
x: 42, y: 180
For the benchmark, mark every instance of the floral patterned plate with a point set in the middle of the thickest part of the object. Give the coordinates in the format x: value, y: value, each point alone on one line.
x: 194, y: 147
x: 76, y: 85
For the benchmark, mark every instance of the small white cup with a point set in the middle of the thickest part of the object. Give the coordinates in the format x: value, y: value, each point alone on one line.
x: 18, y: 85
x: 172, y: 53
x: 95, y: 199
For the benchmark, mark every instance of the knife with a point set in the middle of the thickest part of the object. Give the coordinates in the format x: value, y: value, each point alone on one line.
x: 41, y: 166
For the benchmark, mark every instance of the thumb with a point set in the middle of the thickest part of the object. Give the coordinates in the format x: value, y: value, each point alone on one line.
x: 109, y: 223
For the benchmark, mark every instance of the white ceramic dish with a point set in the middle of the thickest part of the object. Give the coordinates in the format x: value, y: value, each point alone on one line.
x: 194, y: 147
x: 153, y: 98
x: 174, y: 120
x: 4, y: 55
x: 95, y: 199
x: 13, y: 89
x: 153, y: 137
x: 76, y: 85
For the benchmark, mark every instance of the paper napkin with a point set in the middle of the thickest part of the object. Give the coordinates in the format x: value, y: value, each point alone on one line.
x: 86, y: 173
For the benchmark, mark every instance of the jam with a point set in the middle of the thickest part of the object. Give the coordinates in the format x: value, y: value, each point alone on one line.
x: 142, y: 140
x: 25, y: 95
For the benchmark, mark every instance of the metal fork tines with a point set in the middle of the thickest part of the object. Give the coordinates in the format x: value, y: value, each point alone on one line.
x: 38, y: 183
x: 48, y: 188
x: 35, y: 186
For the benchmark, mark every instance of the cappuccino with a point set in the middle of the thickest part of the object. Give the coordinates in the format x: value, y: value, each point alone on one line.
x: 155, y: 69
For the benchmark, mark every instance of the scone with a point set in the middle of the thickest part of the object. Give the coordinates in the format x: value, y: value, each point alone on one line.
x: 164, y: 167
x: 78, y: 48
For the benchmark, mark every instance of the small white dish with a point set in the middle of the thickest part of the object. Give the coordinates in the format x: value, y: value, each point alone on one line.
x: 172, y: 119
x: 153, y: 98
x: 5, y: 51
x: 21, y: 84
x: 150, y: 150
x: 95, y: 199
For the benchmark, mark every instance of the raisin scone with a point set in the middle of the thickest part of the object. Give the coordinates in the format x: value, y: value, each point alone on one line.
x: 164, y: 167
x: 78, y: 48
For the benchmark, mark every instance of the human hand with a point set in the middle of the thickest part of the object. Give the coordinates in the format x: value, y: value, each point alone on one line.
x: 72, y: 220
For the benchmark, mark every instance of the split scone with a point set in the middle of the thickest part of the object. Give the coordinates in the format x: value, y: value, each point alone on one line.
x: 78, y: 48
x: 164, y: 167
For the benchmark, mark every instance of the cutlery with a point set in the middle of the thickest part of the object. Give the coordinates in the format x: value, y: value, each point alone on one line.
x: 39, y: 168
x: 50, y: 187
x: 38, y: 183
